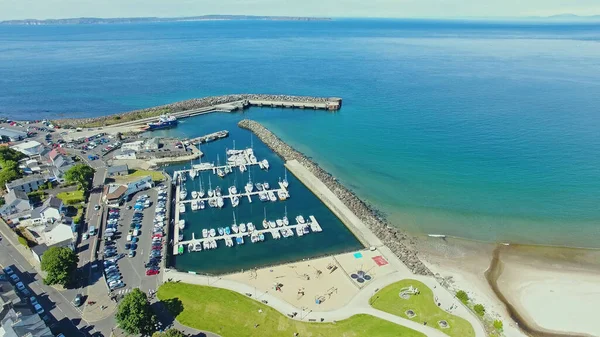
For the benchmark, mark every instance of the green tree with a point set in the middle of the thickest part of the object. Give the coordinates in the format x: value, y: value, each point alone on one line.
x: 462, y: 296
x: 10, y: 171
x: 134, y: 314
x: 169, y: 333
x: 8, y: 154
x: 60, y: 263
x: 479, y: 309
x: 80, y: 174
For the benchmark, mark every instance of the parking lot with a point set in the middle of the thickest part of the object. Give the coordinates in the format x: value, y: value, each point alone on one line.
x: 129, y: 254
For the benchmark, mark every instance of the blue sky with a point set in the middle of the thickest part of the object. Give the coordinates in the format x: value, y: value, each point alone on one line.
x: 43, y: 9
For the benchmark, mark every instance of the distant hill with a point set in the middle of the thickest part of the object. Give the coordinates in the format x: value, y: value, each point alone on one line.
x: 95, y: 21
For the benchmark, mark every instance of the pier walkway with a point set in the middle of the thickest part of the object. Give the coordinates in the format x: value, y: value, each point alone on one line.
x: 239, y: 195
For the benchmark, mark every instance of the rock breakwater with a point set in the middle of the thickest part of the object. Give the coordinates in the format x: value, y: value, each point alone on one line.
x: 393, y: 238
x: 191, y: 104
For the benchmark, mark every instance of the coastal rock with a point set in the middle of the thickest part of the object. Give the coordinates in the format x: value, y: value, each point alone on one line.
x: 372, y: 218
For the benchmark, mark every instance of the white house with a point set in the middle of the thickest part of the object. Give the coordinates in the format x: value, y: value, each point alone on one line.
x: 27, y: 184
x: 125, y: 154
x: 29, y: 148
x: 50, y: 211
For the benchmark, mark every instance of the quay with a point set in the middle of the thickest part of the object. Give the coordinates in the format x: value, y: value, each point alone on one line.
x: 333, y: 103
x: 210, y: 137
x: 239, y: 195
x: 175, y: 223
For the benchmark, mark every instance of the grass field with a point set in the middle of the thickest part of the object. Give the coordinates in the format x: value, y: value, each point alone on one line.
x: 388, y: 300
x: 230, y: 314
x: 156, y: 175
x: 70, y: 197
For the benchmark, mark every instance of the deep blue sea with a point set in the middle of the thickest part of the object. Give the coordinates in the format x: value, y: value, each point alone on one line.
x: 488, y: 131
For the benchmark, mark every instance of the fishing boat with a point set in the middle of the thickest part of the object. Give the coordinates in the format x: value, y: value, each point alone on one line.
x: 279, y: 223
x: 227, y: 230
x: 250, y: 226
x: 212, y: 232
x: 221, y: 230
x: 182, y: 194
x: 232, y: 190
x: 239, y: 240
x: 281, y: 195
x: 266, y: 185
x: 262, y: 195
x: 201, y: 204
x: 235, y: 201
x: 164, y: 122
x: 259, y: 186
x: 220, y: 202
x: 242, y: 228
x: 285, y: 220
x: 285, y: 182
x: 272, y: 196
x: 272, y: 224
x: 181, y: 224
x: 265, y: 164
x: 194, y: 205
x: 181, y: 207
x: 249, y: 187
x: 205, y: 233
x: 197, y: 247
x: 194, y: 194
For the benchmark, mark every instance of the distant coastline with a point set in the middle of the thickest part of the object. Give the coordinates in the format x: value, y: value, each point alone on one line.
x: 98, y: 21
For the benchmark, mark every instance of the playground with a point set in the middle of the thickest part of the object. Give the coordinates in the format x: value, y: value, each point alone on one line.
x: 322, y: 284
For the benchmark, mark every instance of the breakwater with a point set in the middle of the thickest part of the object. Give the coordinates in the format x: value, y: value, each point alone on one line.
x: 393, y: 238
x: 193, y: 104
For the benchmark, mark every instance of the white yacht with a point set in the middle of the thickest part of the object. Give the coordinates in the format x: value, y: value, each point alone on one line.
x: 265, y: 224
x: 182, y: 194
x: 285, y: 220
x: 201, y: 204
x: 181, y: 224
x: 212, y: 232
x: 194, y: 194
x: 242, y: 228
x: 235, y: 228
x: 181, y: 207
x: 249, y: 186
x: 235, y: 201
x: 201, y: 192
x: 205, y: 233
x: 265, y: 164
x: 242, y: 168
x: 300, y: 219
x: 232, y: 189
x: 285, y: 182
x: 279, y: 222
x: 220, y: 173
x: 259, y: 186
x: 194, y: 205
x: 192, y: 173
x: 281, y: 195
x: 220, y: 202
x: 228, y: 242
x: 272, y: 224
x: 266, y: 185
x: 212, y: 202
x: 250, y: 226
x: 272, y: 196
x: 262, y: 195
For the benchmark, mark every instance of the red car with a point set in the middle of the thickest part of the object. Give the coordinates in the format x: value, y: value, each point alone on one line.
x: 150, y: 272
x: 157, y: 235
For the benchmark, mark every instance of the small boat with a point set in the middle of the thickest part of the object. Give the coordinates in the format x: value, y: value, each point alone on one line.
x: 180, y: 249
x: 279, y: 222
x: 299, y: 231
x: 227, y: 230
x: 221, y: 230
x: 265, y: 164
x: 262, y: 195
x: 265, y: 223
x: 242, y: 228
x: 220, y: 202
x: 212, y: 232
x: 249, y: 186
x: 285, y: 220
x: 197, y: 247
x: 232, y: 190
x: 305, y: 230
x: 212, y: 202
x: 266, y: 185
x: 281, y: 195
x: 190, y: 247
x: 194, y: 194
x: 300, y: 219
x: 239, y: 240
x: 201, y: 204
x: 205, y: 233
x: 250, y: 226
x: 285, y: 183
x: 272, y: 196
x: 261, y: 237
x: 235, y: 201
x: 192, y: 174
x: 183, y: 194
x: 259, y: 186
x: 234, y: 228
x: 272, y: 224
x: 194, y: 205
x: 183, y: 177
x: 242, y: 168
x: 218, y: 191
x: 181, y: 208
x: 181, y: 224
x: 228, y: 242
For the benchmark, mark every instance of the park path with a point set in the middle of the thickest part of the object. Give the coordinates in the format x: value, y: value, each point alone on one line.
x: 359, y: 304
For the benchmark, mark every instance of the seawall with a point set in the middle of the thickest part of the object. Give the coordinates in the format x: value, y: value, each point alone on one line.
x: 371, y: 218
x: 200, y: 103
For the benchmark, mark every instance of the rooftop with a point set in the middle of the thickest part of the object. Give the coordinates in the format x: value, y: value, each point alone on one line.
x: 118, y: 168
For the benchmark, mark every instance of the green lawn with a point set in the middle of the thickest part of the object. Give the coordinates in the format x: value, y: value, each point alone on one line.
x: 423, y: 305
x: 70, y: 197
x: 156, y: 175
x: 230, y: 314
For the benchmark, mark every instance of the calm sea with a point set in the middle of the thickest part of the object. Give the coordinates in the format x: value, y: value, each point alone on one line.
x: 488, y: 131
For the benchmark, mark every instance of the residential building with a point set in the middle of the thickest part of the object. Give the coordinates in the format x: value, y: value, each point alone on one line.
x: 50, y: 211
x: 29, y: 148
x: 58, y: 234
x: 10, y: 135
x: 125, y: 154
x: 27, y: 184
x: 145, y: 144
x: 151, y: 144
x: 16, y: 205
x: 117, y: 193
x: 134, y: 146
x: 60, y: 165
x: 119, y: 170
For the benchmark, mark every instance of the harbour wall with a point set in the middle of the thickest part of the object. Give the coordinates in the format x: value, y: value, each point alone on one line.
x: 204, y: 105
x: 394, y: 239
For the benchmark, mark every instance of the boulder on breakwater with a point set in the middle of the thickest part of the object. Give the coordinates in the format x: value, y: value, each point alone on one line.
x: 373, y: 219
x: 191, y: 104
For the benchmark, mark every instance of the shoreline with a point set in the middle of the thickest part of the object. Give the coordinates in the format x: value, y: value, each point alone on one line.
x: 373, y: 219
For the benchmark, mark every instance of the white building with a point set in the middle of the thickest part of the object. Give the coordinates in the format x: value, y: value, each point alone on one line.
x: 17, y: 205
x: 29, y: 148
x: 115, y: 193
x: 50, y: 211
x: 27, y: 184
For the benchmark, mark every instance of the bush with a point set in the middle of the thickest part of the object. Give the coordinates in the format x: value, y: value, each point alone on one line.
x: 2, y: 201
x: 479, y: 309
x: 462, y: 296
x: 23, y: 241
x: 498, y: 325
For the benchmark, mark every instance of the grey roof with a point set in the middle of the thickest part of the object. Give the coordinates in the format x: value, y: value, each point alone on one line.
x: 25, y: 180
x: 12, y: 133
x: 118, y: 168
x: 25, y: 324
x: 39, y: 250
x: 36, y: 213
x: 53, y: 201
x: 14, y: 195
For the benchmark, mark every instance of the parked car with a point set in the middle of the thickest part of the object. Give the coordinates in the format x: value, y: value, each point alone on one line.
x: 38, y: 308
x: 33, y: 300
x: 77, y: 300
x: 15, y: 278
x: 20, y: 286
x: 152, y: 272
x: 8, y: 271
x: 131, y: 253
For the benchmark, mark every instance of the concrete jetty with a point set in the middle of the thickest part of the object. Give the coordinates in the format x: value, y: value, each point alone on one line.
x: 210, y: 137
x: 239, y: 195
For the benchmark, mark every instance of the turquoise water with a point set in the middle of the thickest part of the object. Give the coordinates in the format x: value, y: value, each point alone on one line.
x: 335, y: 237
x: 487, y: 131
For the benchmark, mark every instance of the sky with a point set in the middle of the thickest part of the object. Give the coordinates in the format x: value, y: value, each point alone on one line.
x: 52, y: 9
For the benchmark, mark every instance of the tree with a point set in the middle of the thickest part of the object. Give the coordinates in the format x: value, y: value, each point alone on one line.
x: 169, y: 333
x: 134, y: 315
x: 60, y: 263
x: 80, y: 174
x: 10, y: 171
